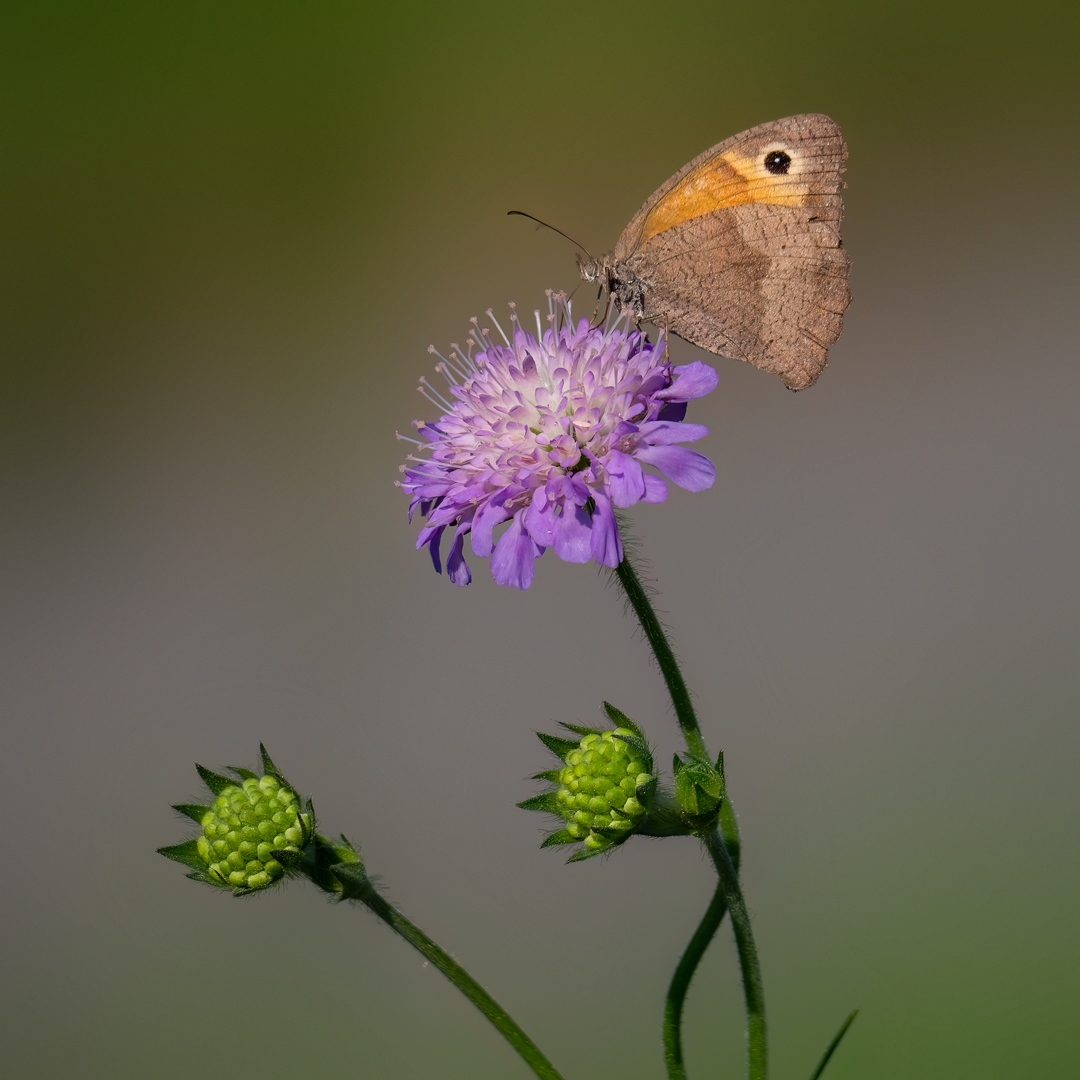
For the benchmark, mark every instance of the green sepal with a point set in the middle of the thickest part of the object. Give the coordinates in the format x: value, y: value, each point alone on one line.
x: 546, y: 802
x: 186, y: 853
x: 322, y: 855
x: 560, y: 837
x: 587, y: 853
x: 205, y: 878
x: 559, y: 747
x: 355, y: 884
x: 620, y: 719
x: 214, y: 781
x: 346, y: 851
x: 190, y: 810
x: 699, y: 786
x: 644, y: 792
x: 244, y: 774
x: 554, y: 775
x: 676, y: 764
x: 307, y: 807
x: 687, y: 793
x: 609, y: 833
x: 637, y: 744
x: 289, y: 859
x: 578, y: 729
x: 270, y: 769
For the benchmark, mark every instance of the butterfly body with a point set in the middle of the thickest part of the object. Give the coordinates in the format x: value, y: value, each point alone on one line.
x: 740, y: 252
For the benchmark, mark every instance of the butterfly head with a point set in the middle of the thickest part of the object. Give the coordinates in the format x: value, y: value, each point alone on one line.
x: 617, y: 280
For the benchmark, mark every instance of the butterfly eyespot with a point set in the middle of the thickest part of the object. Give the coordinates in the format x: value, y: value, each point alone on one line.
x: 777, y: 162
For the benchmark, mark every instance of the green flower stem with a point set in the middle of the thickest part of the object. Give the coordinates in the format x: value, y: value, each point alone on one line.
x: 722, y: 859
x: 461, y: 979
x: 680, y: 983
x: 688, y: 962
x: 665, y: 658
x: 753, y: 990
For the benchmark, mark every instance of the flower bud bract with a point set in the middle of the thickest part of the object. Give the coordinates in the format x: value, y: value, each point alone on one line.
x: 603, y: 790
x: 253, y: 833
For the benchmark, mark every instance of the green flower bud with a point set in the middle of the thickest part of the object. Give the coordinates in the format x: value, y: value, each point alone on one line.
x: 603, y: 790
x: 253, y: 834
x: 699, y: 788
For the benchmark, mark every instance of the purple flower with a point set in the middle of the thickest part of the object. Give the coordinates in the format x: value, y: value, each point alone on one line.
x: 550, y: 433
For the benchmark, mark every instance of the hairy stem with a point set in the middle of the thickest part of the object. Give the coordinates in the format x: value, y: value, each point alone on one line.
x: 462, y: 980
x: 695, y: 950
x: 753, y: 990
x: 654, y: 633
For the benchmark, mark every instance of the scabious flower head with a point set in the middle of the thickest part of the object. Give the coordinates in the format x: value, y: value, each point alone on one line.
x: 604, y: 789
x: 550, y: 433
x: 253, y: 833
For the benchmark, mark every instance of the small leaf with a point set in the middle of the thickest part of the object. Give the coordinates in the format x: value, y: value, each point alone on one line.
x: 644, y: 792
x: 186, y: 853
x: 582, y: 731
x: 620, y: 719
x: 244, y: 774
x: 554, y: 775
x: 354, y: 882
x: 586, y: 853
x: 190, y: 810
x: 559, y: 747
x: 686, y: 791
x: 638, y: 745
x: 270, y: 769
x: 545, y: 802
x: 560, y: 837
x: 834, y: 1044
x: 214, y: 781
x: 347, y: 851
x: 676, y: 765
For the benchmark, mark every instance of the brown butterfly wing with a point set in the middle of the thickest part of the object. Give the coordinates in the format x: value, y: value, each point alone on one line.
x: 746, y: 261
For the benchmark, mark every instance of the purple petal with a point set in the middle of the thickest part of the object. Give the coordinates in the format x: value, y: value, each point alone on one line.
x: 606, y: 545
x: 457, y: 570
x: 573, y: 534
x: 655, y: 492
x: 433, y: 542
x: 693, y: 381
x: 512, y: 562
x: 664, y: 432
x: 687, y: 468
x: 540, y: 520
x: 487, y: 517
x: 626, y: 481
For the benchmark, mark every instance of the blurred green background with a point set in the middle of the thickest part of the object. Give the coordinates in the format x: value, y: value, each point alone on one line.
x: 230, y: 232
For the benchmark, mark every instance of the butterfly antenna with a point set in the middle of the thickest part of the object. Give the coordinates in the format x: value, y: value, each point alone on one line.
x: 521, y: 213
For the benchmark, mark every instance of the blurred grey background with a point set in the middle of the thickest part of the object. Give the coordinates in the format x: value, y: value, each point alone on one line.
x: 229, y: 234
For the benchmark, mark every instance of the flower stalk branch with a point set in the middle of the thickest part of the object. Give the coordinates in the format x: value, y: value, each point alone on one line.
x: 257, y: 831
x: 729, y: 893
x: 358, y: 887
x: 753, y: 990
x: 695, y: 950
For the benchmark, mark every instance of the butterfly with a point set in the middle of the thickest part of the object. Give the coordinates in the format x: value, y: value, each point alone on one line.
x: 740, y: 252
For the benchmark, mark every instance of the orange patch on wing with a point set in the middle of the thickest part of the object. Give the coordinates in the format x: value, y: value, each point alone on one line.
x: 727, y: 180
